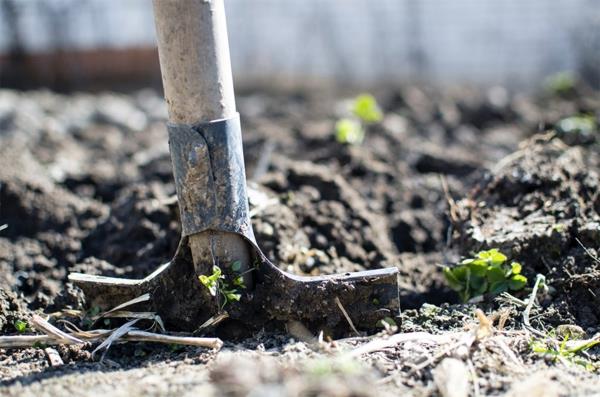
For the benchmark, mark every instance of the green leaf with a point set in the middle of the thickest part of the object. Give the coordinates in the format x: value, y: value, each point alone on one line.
x: 209, y: 283
x: 498, y: 287
x: 236, y: 266
x: 20, y: 326
x: 582, y: 346
x: 497, y: 258
x: 515, y: 268
x: 462, y: 273
x: 517, y: 282
x: 495, y: 274
x: 388, y: 320
x: 238, y: 281
x: 453, y: 282
x: 481, y: 288
x: 477, y: 282
x: 232, y: 296
x: 216, y: 273
x: 492, y: 257
x: 478, y: 267
x: 365, y: 108
x: 349, y: 131
x: 539, y: 346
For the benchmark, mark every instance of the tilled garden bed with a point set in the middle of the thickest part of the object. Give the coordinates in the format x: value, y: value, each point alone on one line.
x: 86, y: 186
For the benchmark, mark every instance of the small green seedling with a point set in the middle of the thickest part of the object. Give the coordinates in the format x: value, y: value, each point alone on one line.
x: 561, y: 83
x: 216, y: 283
x: 365, y: 107
x: 567, y: 351
x: 486, y: 273
x: 364, y: 110
x: 91, y: 316
x: 387, y: 322
x: 20, y: 326
x: 212, y: 282
x: 349, y: 131
x: 583, y: 124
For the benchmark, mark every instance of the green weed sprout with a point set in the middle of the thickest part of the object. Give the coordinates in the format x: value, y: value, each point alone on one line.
x: 212, y: 282
x: 216, y: 283
x: 349, y: 131
x: 364, y: 111
x: 567, y: 352
x: 561, y: 83
x: 487, y: 272
x: 20, y: 326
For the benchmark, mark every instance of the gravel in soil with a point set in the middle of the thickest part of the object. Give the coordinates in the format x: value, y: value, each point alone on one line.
x: 86, y: 185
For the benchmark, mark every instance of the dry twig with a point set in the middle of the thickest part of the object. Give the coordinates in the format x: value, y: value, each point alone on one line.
x: 44, y: 326
x: 587, y: 251
x: 132, y: 335
x: 345, y: 313
x: 381, y: 344
x: 526, y: 313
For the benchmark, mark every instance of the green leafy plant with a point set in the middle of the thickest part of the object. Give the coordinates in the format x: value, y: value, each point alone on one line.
x: 365, y: 107
x: 364, y: 110
x: 216, y: 283
x: 20, y: 326
x: 567, y: 351
x: 487, y: 272
x: 211, y: 282
x: 349, y: 131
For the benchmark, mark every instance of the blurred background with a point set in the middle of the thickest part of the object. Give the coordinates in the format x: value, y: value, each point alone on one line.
x: 110, y: 44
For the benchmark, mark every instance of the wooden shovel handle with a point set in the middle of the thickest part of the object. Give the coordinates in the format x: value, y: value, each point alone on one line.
x: 194, y: 57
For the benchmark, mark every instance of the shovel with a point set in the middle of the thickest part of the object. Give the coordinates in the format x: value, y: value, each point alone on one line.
x: 218, y: 270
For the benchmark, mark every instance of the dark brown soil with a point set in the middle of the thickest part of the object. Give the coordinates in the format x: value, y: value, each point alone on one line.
x: 86, y: 185
x: 542, y: 207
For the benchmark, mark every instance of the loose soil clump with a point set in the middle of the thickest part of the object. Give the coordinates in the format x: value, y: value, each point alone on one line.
x: 541, y: 205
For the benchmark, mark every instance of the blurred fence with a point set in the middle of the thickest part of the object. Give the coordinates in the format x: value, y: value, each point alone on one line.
x: 511, y: 42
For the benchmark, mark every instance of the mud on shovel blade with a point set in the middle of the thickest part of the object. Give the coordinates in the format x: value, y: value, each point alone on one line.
x: 208, y: 166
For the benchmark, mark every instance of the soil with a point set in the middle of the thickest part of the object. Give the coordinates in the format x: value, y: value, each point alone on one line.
x: 86, y: 186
